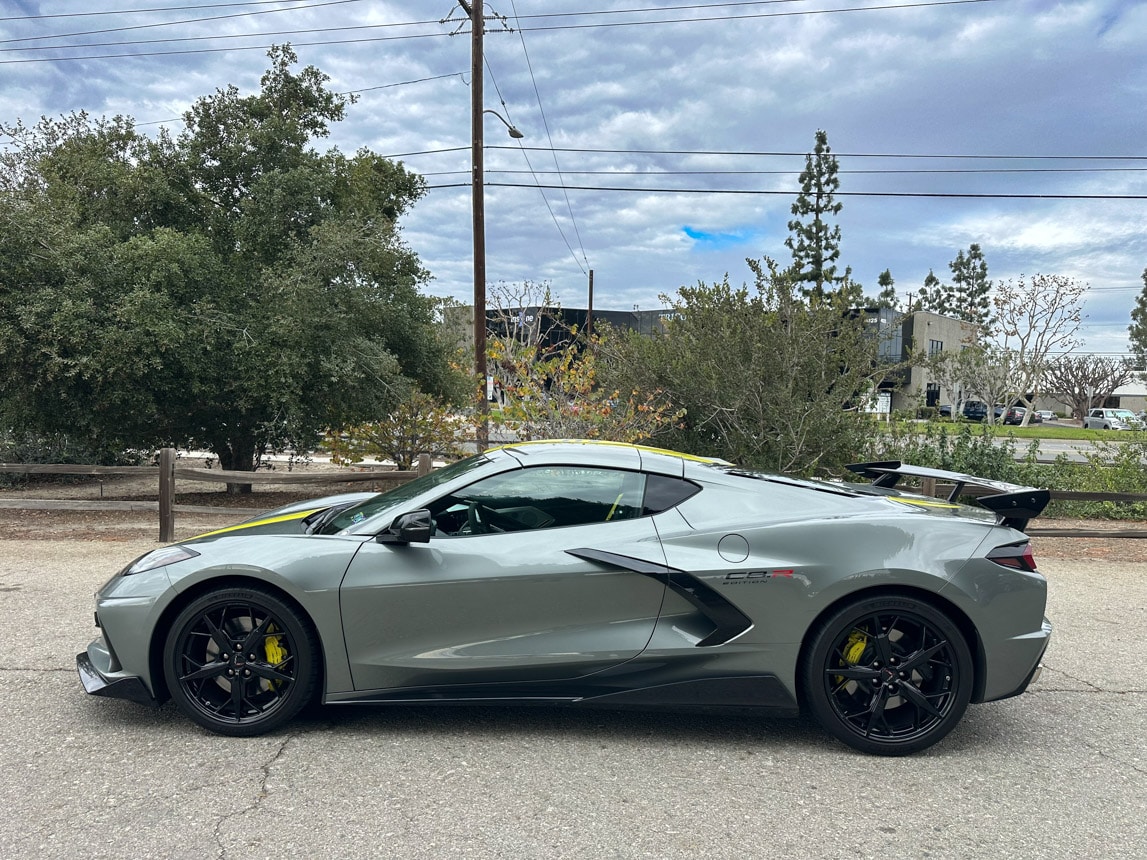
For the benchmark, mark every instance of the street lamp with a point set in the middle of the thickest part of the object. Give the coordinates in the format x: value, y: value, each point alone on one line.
x: 514, y: 133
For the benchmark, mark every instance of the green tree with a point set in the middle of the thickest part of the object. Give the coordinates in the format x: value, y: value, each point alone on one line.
x: 421, y: 425
x: 931, y: 295
x: 230, y: 288
x: 887, y: 297
x: 967, y: 297
x: 971, y: 289
x: 1138, y: 327
x: 813, y: 239
x: 766, y: 378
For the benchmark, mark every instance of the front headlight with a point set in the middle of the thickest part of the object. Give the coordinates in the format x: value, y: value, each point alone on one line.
x: 159, y: 558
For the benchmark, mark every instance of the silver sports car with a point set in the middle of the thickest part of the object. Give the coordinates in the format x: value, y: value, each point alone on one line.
x: 599, y: 574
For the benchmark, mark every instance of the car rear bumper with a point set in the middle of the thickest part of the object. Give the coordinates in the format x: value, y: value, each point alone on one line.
x: 1022, y: 657
x: 95, y: 667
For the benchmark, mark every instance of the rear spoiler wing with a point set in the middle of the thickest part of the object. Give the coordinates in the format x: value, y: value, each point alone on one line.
x: 1015, y: 505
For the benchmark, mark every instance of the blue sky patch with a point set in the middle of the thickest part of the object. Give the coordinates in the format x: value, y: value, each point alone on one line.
x: 723, y: 239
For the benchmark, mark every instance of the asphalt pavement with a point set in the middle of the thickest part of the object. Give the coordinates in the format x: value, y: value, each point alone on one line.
x: 1056, y: 773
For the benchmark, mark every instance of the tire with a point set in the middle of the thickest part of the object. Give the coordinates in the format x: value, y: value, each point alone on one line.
x: 242, y: 691
x: 887, y: 675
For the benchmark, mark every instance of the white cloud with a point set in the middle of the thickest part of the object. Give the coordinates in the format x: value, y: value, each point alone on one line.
x: 1017, y: 78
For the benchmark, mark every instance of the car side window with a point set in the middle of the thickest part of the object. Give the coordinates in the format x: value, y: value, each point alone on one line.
x: 541, y: 497
x: 663, y: 492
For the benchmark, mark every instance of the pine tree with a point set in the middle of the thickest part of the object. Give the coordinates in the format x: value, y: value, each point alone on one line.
x: 970, y: 288
x: 887, y: 297
x: 814, y: 242
x: 967, y: 297
x: 932, y: 297
x: 1138, y: 327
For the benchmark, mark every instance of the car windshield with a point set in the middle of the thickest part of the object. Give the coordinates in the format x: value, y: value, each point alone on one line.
x: 1124, y: 414
x: 402, y: 493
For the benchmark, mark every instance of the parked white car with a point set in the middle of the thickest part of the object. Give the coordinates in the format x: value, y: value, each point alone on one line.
x: 1112, y: 419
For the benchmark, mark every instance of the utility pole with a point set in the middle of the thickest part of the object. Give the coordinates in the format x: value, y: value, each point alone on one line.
x: 477, y: 179
x: 589, y: 310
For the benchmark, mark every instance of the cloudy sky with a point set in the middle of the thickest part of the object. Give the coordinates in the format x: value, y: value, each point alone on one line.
x: 663, y: 140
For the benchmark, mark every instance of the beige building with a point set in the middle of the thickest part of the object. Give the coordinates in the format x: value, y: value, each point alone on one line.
x: 903, y: 337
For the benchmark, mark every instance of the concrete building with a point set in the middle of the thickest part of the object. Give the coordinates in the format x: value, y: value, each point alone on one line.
x: 927, y: 334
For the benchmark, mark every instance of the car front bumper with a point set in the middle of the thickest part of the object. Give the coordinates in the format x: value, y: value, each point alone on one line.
x: 100, y: 677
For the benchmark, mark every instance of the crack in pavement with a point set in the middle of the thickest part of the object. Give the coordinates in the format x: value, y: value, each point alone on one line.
x: 260, y: 796
x: 1094, y: 687
x: 1109, y: 757
x: 70, y: 669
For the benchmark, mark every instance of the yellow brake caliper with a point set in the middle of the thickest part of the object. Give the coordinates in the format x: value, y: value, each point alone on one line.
x: 273, y: 648
x: 852, y: 651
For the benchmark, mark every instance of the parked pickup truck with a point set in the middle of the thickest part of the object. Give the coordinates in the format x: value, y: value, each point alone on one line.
x: 1111, y: 419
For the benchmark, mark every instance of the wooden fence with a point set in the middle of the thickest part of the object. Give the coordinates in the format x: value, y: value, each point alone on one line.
x: 168, y: 471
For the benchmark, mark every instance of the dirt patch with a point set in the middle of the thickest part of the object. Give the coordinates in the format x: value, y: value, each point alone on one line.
x: 1119, y: 550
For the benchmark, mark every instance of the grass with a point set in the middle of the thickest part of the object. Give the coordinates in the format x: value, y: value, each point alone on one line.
x: 1047, y: 430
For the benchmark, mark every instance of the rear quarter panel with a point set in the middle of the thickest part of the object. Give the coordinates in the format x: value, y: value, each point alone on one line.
x: 783, y: 555
x: 785, y: 559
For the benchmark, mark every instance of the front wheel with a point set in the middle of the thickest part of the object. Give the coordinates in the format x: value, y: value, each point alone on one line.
x: 241, y: 661
x: 888, y: 675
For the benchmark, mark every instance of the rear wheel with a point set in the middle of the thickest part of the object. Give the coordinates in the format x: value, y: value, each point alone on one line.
x: 241, y: 661
x: 888, y: 675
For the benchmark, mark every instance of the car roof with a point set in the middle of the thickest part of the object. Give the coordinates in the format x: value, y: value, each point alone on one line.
x: 599, y: 452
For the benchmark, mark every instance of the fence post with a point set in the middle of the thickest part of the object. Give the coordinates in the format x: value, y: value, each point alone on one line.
x: 928, y: 487
x: 424, y: 465
x: 166, y: 495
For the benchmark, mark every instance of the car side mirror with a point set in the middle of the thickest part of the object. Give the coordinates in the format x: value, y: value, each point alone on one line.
x: 412, y: 527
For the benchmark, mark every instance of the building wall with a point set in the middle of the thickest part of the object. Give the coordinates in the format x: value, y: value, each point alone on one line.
x: 929, y: 333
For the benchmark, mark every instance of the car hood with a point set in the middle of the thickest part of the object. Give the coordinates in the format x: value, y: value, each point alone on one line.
x: 287, y: 519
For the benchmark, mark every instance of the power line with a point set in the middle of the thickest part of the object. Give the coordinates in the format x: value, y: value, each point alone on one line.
x: 232, y: 48
x: 788, y: 192
x: 126, y: 28
x: 140, y: 11
x: 758, y: 15
x: 550, y: 141
x: 215, y: 37
x: 344, y: 93
x: 889, y: 172
x: 789, y: 154
x: 430, y: 35
x: 526, y: 156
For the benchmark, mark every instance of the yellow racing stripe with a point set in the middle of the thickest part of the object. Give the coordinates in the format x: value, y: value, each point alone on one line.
x: 923, y: 503
x: 283, y: 518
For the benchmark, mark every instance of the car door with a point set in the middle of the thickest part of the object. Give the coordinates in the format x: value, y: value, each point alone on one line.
x: 496, y: 597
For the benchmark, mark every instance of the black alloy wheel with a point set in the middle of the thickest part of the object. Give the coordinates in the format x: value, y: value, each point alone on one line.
x: 888, y: 675
x: 241, y: 661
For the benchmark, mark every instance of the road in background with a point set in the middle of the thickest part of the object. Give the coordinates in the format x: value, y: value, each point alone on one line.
x: 1058, y: 772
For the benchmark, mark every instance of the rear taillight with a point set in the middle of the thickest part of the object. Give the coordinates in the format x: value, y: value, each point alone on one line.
x: 1018, y: 556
